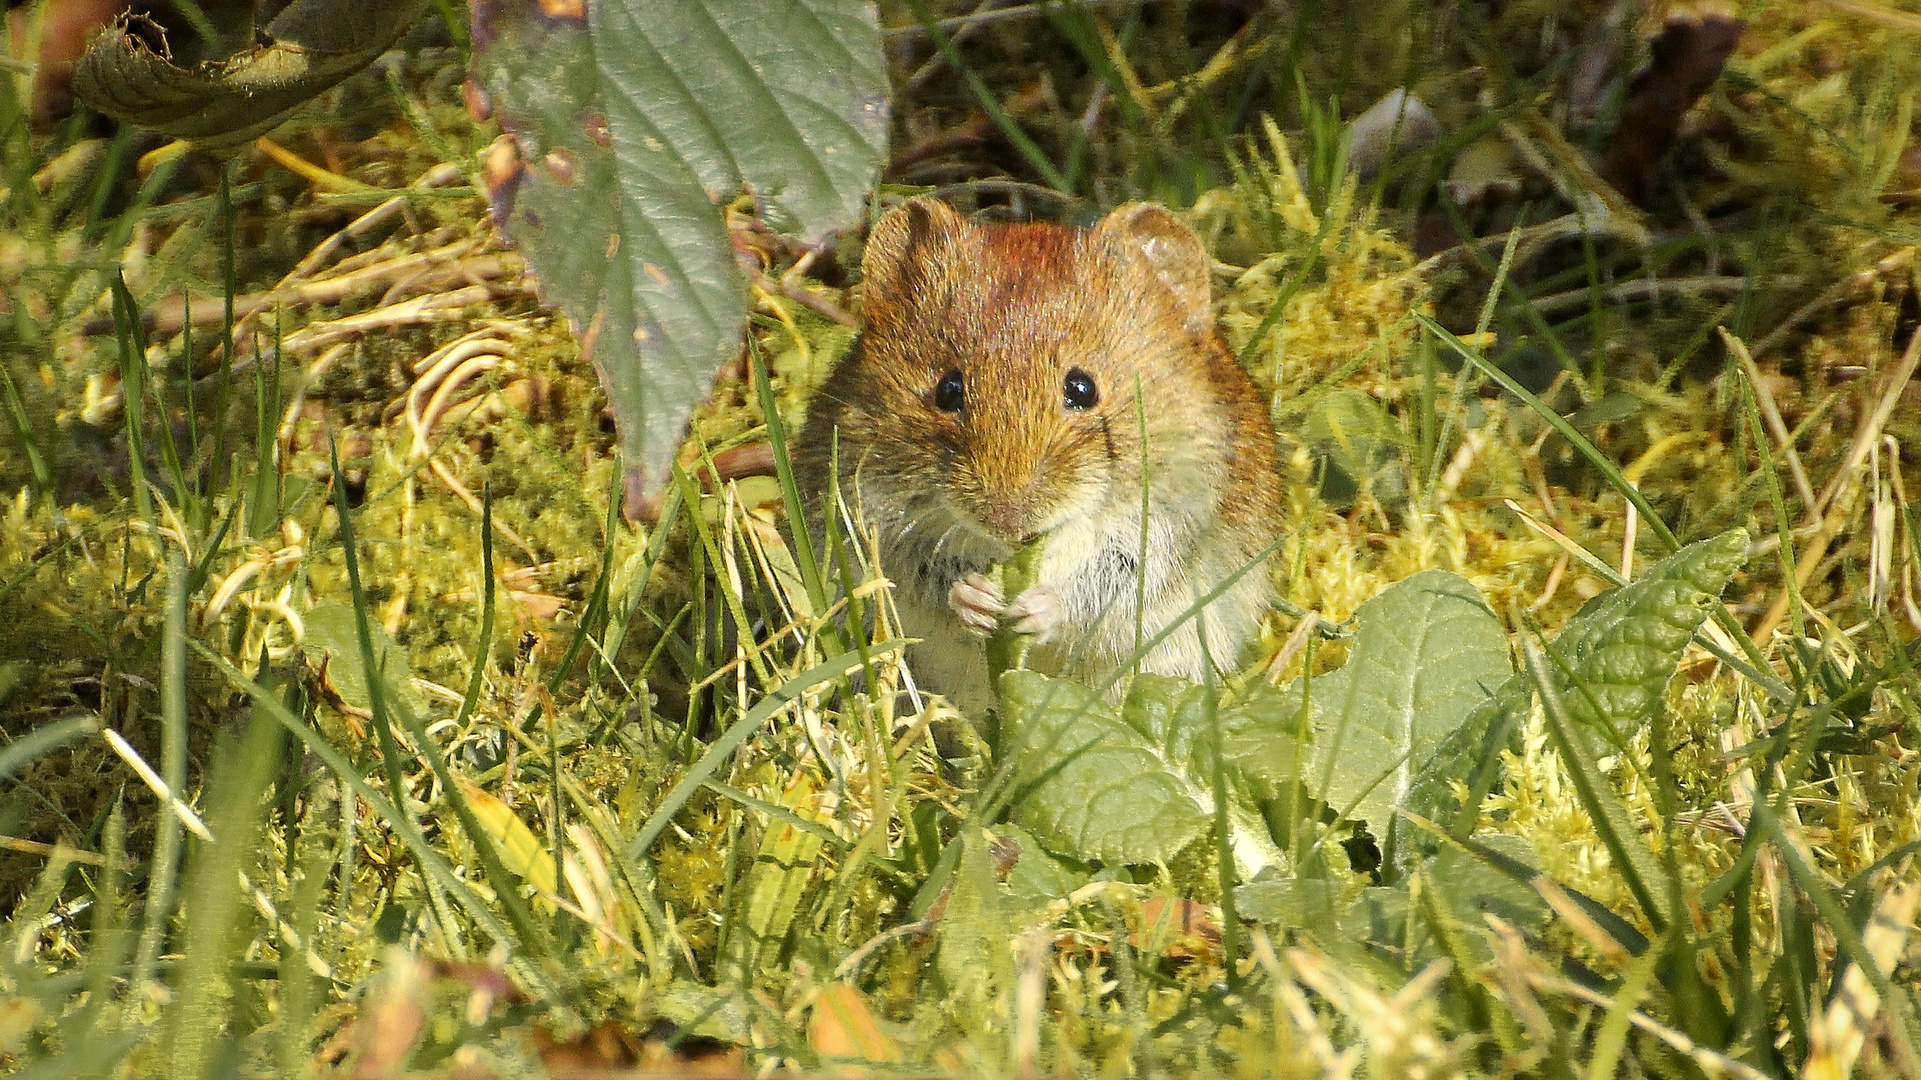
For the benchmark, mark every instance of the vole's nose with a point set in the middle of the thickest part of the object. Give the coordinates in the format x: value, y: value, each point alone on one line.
x: 1005, y: 494
x: 1010, y: 519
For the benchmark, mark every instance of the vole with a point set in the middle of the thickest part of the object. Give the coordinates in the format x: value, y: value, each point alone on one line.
x: 1016, y: 381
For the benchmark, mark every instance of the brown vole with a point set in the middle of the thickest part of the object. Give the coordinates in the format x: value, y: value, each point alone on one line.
x: 1000, y: 392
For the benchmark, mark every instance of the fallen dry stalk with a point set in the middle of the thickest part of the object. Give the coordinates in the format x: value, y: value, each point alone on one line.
x: 1835, y: 505
x: 167, y: 316
x: 1771, y: 416
x: 441, y: 374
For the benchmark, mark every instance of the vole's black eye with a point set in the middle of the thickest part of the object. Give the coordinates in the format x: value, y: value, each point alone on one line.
x: 950, y: 393
x: 1078, y: 390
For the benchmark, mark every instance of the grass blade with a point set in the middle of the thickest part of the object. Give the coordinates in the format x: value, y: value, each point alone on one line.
x: 173, y: 770
x: 529, y: 934
x: 42, y: 740
x: 739, y: 731
x: 1636, y: 864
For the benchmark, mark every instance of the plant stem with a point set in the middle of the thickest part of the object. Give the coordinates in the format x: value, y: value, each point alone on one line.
x: 1021, y: 571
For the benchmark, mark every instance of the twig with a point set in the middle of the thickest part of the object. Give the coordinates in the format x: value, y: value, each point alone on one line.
x: 435, y: 307
x: 1835, y: 295
x: 51, y: 851
x: 939, y: 60
x: 1296, y: 641
x: 441, y: 373
x: 799, y: 295
x: 166, y: 317
x: 1881, y: 13
x: 1544, y: 148
x: 859, y: 956
x: 1565, y: 227
x: 1708, y: 1060
x: 439, y: 176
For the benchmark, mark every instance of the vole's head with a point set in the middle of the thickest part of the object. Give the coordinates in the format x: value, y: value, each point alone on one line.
x: 1007, y: 370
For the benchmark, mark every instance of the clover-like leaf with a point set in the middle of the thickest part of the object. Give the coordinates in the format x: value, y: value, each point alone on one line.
x: 629, y: 122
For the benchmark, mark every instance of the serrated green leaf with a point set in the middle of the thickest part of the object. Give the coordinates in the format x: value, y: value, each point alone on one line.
x: 632, y: 122
x: 1622, y: 647
x: 1470, y: 755
x: 1607, y: 812
x: 1427, y: 652
x: 1260, y: 738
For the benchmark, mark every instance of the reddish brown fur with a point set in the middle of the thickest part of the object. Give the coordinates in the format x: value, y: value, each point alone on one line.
x: 1014, y: 307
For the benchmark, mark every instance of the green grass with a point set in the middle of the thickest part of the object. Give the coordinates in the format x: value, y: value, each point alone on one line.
x: 652, y: 777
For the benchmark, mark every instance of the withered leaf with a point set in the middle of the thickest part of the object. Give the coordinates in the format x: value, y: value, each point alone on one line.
x: 131, y: 72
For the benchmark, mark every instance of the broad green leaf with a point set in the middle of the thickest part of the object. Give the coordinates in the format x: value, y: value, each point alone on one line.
x: 1624, y: 645
x: 1038, y: 876
x: 1126, y: 787
x: 719, y: 1013
x: 1427, y: 652
x: 1469, y: 755
x: 253, y: 80
x: 1313, y: 904
x: 974, y: 960
x: 1606, y: 810
x: 1101, y: 788
x: 629, y: 122
x: 333, y: 640
x: 1487, y: 880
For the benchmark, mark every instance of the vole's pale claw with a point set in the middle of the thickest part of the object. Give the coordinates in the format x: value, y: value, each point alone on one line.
x: 1036, y: 611
x: 978, y: 603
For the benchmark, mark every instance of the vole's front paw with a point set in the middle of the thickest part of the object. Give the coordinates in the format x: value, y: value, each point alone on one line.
x: 1036, y: 611
x: 978, y: 603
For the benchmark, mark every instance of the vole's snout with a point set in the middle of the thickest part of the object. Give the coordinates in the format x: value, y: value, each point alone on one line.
x: 1011, y: 508
x: 1010, y: 523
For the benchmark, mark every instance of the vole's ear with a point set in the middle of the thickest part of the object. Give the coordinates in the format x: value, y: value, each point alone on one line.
x: 905, y: 245
x: 1156, y: 239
